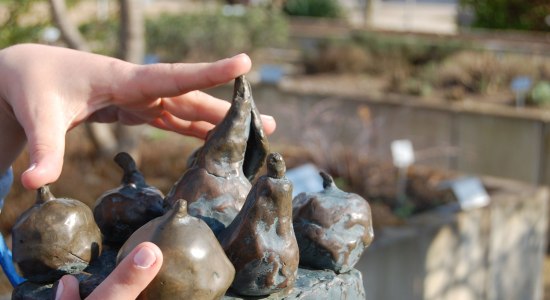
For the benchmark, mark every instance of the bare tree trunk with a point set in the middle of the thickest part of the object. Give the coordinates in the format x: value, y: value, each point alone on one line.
x: 370, y: 6
x: 100, y: 134
x: 69, y: 32
x: 132, y: 31
x: 131, y: 49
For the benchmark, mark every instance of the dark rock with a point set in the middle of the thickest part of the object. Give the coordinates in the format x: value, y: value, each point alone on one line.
x: 317, y: 284
x: 33, y: 291
x: 98, y: 270
x: 89, y: 279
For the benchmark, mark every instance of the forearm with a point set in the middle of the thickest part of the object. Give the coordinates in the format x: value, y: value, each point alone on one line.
x: 12, y: 135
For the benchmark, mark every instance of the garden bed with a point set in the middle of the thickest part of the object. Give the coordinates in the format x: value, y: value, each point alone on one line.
x: 496, y: 252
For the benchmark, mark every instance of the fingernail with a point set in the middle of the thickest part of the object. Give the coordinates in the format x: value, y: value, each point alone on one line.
x: 59, y: 290
x: 144, y: 258
x: 268, y: 118
x: 32, y: 167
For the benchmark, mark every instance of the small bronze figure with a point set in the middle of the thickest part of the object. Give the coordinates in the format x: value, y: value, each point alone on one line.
x: 194, y: 267
x: 218, y: 180
x: 332, y: 227
x: 260, y: 242
x: 54, y: 237
x: 121, y: 211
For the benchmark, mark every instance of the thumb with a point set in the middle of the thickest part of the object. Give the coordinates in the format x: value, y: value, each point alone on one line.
x: 46, y: 146
x: 132, y: 274
x: 67, y: 288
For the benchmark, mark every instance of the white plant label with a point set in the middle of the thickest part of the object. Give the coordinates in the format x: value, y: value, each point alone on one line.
x: 403, y: 153
x: 470, y: 193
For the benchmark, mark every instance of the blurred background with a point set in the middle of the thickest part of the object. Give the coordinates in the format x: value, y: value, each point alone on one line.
x: 463, y: 84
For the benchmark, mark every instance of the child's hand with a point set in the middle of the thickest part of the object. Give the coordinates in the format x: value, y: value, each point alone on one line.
x: 45, y: 91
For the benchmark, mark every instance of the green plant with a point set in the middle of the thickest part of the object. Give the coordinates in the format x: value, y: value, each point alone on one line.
x: 415, y: 50
x: 510, y: 14
x: 337, y: 57
x: 314, y: 8
x: 14, y: 30
x: 101, y: 36
x: 540, y: 94
x: 211, y: 35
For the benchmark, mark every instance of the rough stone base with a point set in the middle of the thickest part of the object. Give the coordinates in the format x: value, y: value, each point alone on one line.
x: 310, y: 285
x: 315, y: 284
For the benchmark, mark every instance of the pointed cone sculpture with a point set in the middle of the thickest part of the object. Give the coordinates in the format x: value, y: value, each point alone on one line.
x: 194, y: 267
x: 121, y: 211
x: 54, y: 237
x: 260, y: 242
x: 332, y: 227
x: 218, y: 180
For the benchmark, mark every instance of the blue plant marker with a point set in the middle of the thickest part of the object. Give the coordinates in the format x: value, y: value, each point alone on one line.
x: 271, y: 74
x: 5, y: 254
x: 304, y: 178
x: 521, y: 85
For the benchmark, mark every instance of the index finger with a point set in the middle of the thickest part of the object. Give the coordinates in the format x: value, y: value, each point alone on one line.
x: 169, y: 80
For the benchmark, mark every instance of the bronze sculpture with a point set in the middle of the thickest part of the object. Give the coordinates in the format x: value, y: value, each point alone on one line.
x: 121, y: 211
x: 332, y: 227
x: 54, y: 237
x: 260, y: 242
x: 218, y: 181
x: 194, y: 267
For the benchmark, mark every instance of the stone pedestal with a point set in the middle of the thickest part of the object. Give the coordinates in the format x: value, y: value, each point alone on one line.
x: 310, y: 284
x: 493, y: 253
x: 314, y: 285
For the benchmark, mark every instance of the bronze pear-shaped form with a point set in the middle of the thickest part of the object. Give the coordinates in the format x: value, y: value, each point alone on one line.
x: 332, y: 227
x: 54, y: 237
x: 260, y: 242
x: 121, y: 211
x: 218, y: 180
x: 194, y: 267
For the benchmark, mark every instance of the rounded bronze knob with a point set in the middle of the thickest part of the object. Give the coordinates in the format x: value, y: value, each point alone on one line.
x: 54, y: 237
x: 194, y: 267
x: 121, y: 211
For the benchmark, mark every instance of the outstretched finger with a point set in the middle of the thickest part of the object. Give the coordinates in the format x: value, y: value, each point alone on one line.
x: 168, y: 80
x: 200, y: 106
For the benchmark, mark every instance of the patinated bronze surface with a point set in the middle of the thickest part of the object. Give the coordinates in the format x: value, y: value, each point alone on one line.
x: 260, y: 242
x: 262, y: 233
x: 121, y: 211
x: 54, y: 237
x: 194, y: 267
x: 332, y: 227
x: 218, y: 180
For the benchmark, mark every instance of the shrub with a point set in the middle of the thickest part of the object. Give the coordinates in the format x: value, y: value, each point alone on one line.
x: 484, y: 72
x: 540, y: 94
x: 337, y: 57
x: 416, y: 51
x: 314, y: 8
x: 510, y: 14
x: 13, y: 29
x: 211, y: 35
x: 102, y: 37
